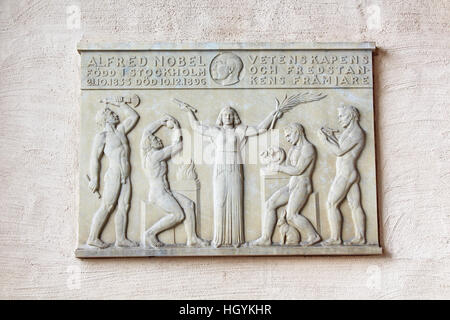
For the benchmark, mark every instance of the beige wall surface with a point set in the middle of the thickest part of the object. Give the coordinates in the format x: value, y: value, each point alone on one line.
x: 39, y: 139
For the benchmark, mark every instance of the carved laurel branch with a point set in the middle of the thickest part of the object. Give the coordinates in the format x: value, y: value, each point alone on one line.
x: 289, y: 103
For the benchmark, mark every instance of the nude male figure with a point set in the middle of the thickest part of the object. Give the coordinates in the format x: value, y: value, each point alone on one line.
x: 112, y: 141
x: 299, y: 165
x: 154, y: 161
x: 347, y: 147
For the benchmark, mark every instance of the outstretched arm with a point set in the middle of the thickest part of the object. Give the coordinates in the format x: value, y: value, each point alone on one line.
x: 96, y: 153
x: 262, y: 127
x: 197, y: 126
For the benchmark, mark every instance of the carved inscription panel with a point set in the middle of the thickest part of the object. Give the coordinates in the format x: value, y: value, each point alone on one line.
x: 247, y: 69
x: 227, y: 149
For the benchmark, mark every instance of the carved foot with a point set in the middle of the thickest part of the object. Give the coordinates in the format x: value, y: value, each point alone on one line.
x: 98, y: 243
x: 153, y: 241
x: 331, y: 242
x: 260, y: 242
x: 311, y: 241
x: 125, y: 243
x: 198, y: 243
x: 355, y: 242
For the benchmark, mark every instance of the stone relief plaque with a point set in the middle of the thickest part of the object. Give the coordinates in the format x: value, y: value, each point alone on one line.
x: 227, y: 149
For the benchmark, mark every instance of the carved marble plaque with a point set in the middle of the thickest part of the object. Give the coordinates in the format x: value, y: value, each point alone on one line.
x: 227, y: 149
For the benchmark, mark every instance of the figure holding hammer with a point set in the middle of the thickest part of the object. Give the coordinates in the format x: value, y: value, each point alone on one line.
x: 113, y: 142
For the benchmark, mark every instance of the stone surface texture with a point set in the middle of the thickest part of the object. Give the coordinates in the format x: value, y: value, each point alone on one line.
x: 39, y: 98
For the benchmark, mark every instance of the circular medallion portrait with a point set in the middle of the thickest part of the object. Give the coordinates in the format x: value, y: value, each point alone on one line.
x: 225, y: 68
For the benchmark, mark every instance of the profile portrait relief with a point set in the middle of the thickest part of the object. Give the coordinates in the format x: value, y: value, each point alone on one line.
x: 225, y: 68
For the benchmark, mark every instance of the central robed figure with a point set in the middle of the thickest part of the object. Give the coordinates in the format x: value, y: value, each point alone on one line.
x: 228, y: 136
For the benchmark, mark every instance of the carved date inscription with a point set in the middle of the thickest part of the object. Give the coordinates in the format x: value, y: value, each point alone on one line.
x: 104, y: 70
x: 210, y: 69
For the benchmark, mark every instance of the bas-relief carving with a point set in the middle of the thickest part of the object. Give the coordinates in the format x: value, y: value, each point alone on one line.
x: 347, y: 146
x: 112, y: 141
x: 299, y: 165
x: 178, y: 207
x: 288, y: 234
x: 228, y: 136
x: 226, y: 68
x: 187, y: 172
x: 270, y: 158
x: 283, y: 208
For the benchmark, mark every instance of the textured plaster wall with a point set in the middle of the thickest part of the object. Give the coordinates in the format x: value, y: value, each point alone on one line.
x: 39, y: 129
